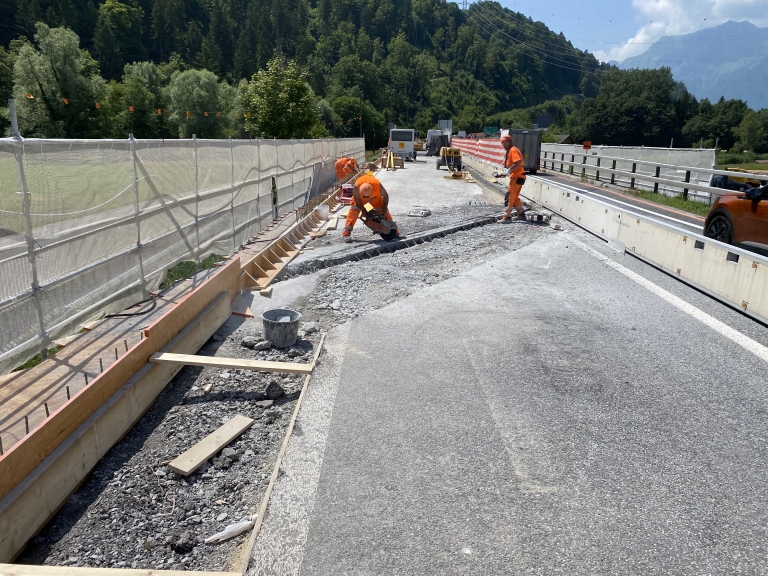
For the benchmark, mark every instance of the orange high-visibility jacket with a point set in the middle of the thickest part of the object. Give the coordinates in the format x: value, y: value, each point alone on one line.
x: 376, y: 200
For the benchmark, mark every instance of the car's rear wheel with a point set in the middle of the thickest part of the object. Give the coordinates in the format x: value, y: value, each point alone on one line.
x: 720, y: 228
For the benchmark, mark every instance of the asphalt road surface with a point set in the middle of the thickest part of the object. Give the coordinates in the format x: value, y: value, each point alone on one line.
x: 561, y: 409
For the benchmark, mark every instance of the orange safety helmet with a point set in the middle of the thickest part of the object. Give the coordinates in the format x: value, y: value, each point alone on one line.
x: 366, y: 191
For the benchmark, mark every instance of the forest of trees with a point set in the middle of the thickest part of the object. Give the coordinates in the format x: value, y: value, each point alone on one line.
x: 172, y: 68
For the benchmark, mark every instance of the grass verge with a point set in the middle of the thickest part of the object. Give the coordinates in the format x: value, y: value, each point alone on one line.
x: 691, y: 206
x: 186, y: 269
x: 35, y: 360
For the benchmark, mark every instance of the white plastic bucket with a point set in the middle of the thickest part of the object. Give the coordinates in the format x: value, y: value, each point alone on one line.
x: 323, y: 211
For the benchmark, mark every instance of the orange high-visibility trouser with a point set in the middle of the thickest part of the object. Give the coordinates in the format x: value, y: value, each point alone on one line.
x: 514, y: 197
x: 353, y: 215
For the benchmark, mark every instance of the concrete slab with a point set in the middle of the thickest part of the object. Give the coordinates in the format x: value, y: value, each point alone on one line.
x: 421, y: 185
x: 539, y: 414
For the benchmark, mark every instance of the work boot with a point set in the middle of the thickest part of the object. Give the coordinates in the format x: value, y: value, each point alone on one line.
x: 347, y: 239
x: 522, y: 216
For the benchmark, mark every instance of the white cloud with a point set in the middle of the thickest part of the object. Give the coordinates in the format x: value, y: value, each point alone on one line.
x: 675, y: 17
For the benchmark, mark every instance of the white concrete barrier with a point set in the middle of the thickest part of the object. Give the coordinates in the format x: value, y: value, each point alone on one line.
x: 732, y: 275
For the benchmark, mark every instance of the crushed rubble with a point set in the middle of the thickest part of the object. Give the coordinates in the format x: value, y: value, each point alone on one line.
x: 134, y: 512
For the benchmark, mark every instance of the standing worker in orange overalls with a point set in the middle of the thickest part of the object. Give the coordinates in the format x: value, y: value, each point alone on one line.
x: 340, y: 167
x: 516, y: 172
x: 370, y: 203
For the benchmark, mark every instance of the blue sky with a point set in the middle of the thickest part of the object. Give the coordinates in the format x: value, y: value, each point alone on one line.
x: 618, y: 29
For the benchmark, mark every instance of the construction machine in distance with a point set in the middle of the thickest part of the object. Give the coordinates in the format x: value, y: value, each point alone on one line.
x: 450, y: 157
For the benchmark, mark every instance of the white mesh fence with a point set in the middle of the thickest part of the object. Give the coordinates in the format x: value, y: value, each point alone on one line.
x: 685, y: 158
x: 90, y: 226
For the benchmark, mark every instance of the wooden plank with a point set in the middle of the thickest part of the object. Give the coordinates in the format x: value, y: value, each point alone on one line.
x: 65, y: 341
x: 232, y: 363
x: 88, y: 326
x: 266, y: 291
x: 36, y: 499
x: 196, y: 456
x: 26, y: 570
x: 240, y: 307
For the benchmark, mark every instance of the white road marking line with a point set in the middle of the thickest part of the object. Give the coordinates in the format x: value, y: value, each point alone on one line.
x: 609, y: 199
x: 720, y: 327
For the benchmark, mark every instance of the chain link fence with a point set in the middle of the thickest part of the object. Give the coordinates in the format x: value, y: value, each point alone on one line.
x: 89, y: 226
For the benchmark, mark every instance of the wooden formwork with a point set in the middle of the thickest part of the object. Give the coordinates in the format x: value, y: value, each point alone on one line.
x: 261, y: 269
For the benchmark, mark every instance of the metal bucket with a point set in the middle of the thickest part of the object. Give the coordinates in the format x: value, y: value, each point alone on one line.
x: 281, y: 326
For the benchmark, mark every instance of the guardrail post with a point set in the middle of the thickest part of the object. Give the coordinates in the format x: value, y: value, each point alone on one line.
x: 583, y: 169
x: 545, y: 160
x: 597, y: 172
x: 613, y: 172
x: 632, y: 181
x: 197, y: 203
x: 687, y: 181
x: 656, y: 184
x: 573, y: 161
x: 26, y: 209
x: 136, y: 212
x: 562, y: 159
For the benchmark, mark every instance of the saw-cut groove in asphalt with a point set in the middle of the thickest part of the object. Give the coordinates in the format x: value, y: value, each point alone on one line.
x: 371, y: 251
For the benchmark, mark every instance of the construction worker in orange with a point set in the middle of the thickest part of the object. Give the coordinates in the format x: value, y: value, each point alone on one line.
x: 370, y: 203
x: 351, y: 166
x: 340, y: 166
x: 516, y: 172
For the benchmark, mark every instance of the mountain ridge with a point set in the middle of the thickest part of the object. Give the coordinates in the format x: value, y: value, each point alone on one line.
x: 729, y: 60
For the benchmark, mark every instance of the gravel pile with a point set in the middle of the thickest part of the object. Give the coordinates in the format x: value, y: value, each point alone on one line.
x: 134, y: 512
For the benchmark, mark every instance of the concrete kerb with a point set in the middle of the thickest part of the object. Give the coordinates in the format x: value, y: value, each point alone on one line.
x: 368, y: 251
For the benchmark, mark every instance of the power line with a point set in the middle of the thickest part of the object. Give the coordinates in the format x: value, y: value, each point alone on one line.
x: 535, y: 53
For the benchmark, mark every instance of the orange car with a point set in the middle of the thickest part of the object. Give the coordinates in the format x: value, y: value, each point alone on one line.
x: 740, y: 218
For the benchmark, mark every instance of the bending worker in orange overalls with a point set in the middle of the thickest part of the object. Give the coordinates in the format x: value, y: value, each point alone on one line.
x: 351, y: 166
x: 340, y: 167
x: 516, y: 172
x: 370, y: 203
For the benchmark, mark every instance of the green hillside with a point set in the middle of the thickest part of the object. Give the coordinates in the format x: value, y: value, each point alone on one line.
x: 411, y: 62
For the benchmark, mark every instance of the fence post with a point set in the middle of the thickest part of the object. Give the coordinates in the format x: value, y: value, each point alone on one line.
x: 583, y: 169
x: 197, y: 203
x: 573, y: 161
x: 232, y: 203
x: 258, y: 182
x: 656, y: 184
x: 613, y: 172
x: 132, y: 146
x: 632, y: 181
x: 26, y: 210
x: 562, y: 159
x: 597, y: 172
x: 687, y: 180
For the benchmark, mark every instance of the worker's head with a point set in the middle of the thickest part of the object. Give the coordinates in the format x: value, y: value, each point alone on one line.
x: 366, y: 191
x: 507, y: 141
